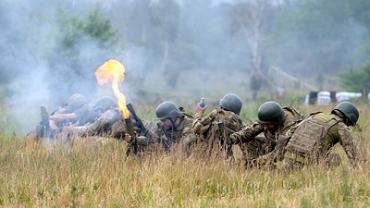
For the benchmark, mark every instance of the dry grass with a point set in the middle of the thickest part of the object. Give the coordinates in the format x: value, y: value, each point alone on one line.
x: 97, y: 174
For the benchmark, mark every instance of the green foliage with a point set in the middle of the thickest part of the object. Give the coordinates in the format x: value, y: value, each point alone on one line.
x: 69, y: 60
x: 96, y: 26
x: 94, y: 173
x: 357, y: 79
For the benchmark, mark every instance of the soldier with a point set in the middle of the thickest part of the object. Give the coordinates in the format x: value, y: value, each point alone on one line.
x: 215, y: 128
x: 106, y: 120
x: 102, y: 117
x: 276, y: 123
x: 73, y: 113
x: 315, y: 136
x: 173, y: 129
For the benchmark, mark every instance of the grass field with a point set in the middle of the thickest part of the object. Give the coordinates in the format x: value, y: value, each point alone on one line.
x: 97, y: 174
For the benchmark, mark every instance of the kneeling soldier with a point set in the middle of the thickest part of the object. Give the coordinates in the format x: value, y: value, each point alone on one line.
x: 315, y: 136
x: 276, y: 123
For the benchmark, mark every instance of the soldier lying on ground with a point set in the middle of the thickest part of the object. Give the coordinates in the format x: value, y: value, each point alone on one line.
x: 315, y: 137
x: 215, y: 128
x: 75, y: 112
x: 107, y: 122
x: 276, y: 123
x: 173, y: 130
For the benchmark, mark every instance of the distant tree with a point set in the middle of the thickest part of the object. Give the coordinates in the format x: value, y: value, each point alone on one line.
x: 75, y: 34
x: 96, y: 27
x: 252, y: 19
x: 316, y: 36
x: 357, y: 79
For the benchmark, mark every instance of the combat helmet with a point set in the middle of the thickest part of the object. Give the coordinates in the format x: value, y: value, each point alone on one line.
x: 270, y: 112
x: 168, y: 110
x: 231, y: 102
x: 349, y: 111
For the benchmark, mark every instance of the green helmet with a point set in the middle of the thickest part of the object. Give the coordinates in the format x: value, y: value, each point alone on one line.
x: 168, y: 110
x: 231, y: 102
x: 76, y: 101
x: 349, y: 111
x: 270, y: 112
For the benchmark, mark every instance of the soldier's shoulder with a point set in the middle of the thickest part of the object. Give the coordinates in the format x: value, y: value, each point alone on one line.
x: 342, y: 125
x: 326, y: 117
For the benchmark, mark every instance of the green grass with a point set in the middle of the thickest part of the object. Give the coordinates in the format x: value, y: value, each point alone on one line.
x: 96, y: 173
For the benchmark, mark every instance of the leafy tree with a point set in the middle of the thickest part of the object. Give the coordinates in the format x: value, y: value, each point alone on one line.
x: 95, y: 27
x: 357, y: 79
x: 76, y: 35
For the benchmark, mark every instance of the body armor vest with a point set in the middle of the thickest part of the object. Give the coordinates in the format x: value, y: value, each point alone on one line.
x: 309, y: 133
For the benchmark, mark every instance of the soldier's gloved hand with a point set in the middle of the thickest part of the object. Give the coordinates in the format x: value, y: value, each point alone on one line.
x: 128, y: 138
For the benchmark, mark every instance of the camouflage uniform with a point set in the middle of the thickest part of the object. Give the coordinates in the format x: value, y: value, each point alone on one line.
x: 314, y: 138
x: 76, y: 105
x: 273, y: 141
x: 102, y: 126
x: 215, y: 129
x: 108, y: 124
x: 182, y: 134
x: 168, y: 138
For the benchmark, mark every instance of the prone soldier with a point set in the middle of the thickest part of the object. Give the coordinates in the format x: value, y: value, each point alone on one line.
x: 73, y: 113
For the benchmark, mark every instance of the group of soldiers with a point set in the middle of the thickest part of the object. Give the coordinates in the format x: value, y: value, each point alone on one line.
x: 280, y: 138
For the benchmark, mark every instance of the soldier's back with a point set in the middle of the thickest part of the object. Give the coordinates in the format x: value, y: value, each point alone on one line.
x: 313, y: 138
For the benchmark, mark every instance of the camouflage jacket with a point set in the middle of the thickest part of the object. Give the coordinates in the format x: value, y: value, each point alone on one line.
x: 168, y: 137
x: 273, y: 142
x: 215, y: 129
x: 110, y: 123
x: 159, y: 137
x: 316, y: 135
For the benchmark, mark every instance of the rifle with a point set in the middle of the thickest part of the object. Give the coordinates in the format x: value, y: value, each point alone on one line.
x: 143, y: 131
x: 133, y: 147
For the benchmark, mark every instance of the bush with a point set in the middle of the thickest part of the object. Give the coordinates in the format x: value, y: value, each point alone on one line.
x: 357, y: 79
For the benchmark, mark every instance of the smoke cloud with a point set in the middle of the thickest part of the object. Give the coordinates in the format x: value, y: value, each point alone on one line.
x: 171, y: 49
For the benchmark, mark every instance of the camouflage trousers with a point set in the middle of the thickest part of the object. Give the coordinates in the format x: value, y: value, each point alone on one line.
x: 294, y: 161
x: 254, y: 150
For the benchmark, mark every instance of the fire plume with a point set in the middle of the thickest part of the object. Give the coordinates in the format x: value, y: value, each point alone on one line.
x: 113, y: 71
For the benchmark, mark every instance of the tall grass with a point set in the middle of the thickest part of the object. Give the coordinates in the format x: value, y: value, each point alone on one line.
x: 96, y: 173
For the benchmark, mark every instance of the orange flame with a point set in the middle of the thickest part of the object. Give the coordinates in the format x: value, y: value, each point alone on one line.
x: 114, y: 71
